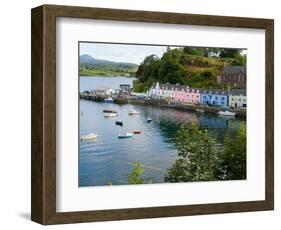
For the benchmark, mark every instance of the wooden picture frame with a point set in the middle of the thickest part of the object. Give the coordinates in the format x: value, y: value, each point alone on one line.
x: 43, y: 207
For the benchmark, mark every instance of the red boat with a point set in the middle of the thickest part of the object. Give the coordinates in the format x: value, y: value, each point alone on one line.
x: 136, y: 132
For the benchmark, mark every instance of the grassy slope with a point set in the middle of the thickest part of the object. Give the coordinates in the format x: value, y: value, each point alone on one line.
x: 105, y: 72
x: 199, y: 71
x: 202, y: 71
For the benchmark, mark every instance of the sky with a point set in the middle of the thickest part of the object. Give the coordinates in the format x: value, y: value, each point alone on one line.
x: 121, y: 53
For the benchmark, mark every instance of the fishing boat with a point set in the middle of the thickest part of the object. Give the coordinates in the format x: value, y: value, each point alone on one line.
x: 133, y: 112
x: 136, y: 132
x: 200, y: 110
x: 119, y: 123
x: 149, y: 120
x: 90, y: 136
x: 109, y: 111
x: 108, y: 100
x: 226, y: 113
x: 110, y: 115
x: 126, y: 135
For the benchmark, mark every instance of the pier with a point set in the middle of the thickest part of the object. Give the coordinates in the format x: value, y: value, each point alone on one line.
x: 127, y: 99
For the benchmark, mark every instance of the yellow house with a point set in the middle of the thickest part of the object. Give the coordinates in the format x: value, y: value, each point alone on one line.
x: 238, y: 98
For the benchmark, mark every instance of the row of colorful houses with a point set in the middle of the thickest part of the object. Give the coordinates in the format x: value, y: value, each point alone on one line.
x: 183, y: 94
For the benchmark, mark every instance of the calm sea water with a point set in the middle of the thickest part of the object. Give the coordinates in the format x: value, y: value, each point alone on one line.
x: 108, y: 159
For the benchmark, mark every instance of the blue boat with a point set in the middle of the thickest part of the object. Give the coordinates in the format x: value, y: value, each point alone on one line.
x: 108, y: 100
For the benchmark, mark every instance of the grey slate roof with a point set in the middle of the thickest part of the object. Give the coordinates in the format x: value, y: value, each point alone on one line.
x: 238, y: 92
x: 215, y: 91
x: 176, y: 87
x: 234, y: 69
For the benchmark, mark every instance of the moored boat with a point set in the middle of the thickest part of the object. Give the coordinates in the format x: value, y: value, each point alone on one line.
x: 126, y: 135
x: 109, y: 111
x: 133, y: 112
x: 136, y: 132
x: 110, y: 115
x: 119, y: 123
x: 227, y: 113
x: 108, y: 100
x: 200, y: 110
x: 149, y: 120
x: 90, y: 136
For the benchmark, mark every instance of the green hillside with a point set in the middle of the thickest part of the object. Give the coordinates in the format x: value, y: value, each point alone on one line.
x: 90, y: 66
x: 196, y: 67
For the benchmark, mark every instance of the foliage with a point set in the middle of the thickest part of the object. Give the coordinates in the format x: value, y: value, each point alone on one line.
x: 196, y: 67
x: 135, y: 177
x: 197, y: 156
x: 233, y: 158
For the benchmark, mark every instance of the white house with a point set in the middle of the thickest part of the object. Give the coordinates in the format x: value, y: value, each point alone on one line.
x: 238, y: 98
x: 161, y: 91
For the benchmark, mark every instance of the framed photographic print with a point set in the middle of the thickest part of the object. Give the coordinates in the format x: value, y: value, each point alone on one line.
x: 141, y: 114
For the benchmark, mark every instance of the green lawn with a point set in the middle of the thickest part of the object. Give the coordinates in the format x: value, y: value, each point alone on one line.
x: 101, y: 72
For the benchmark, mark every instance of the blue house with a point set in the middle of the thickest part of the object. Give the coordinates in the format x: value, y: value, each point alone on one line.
x: 214, y: 97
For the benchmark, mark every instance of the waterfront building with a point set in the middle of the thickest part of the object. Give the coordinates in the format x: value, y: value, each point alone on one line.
x: 233, y: 76
x: 174, y: 92
x: 238, y: 98
x: 159, y: 91
x: 214, y: 97
x: 125, y: 88
x: 193, y: 96
x: 104, y: 91
x: 184, y: 94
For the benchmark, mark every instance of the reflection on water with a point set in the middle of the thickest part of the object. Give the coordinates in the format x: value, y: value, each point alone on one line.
x: 107, y: 159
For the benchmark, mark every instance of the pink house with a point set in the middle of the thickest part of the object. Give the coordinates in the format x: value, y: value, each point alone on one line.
x: 185, y: 94
x: 193, y: 96
x: 176, y: 93
x: 179, y: 94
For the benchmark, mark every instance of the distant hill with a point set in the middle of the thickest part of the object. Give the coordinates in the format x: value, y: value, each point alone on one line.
x: 90, y: 66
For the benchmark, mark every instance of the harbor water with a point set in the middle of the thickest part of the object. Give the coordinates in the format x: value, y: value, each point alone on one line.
x: 108, y: 159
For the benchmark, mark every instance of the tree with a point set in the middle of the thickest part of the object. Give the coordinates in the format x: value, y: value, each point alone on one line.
x: 233, y: 158
x: 229, y: 53
x: 147, y: 68
x: 135, y: 176
x: 197, y: 156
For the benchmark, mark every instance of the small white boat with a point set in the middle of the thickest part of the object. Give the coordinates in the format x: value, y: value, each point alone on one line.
x: 126, y: 135
x: 200, y: 110
x: 227, y: 113
x: 110, y: 115
x: 108, y: 100
x: 133, y: 112
x: 90, y: 136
